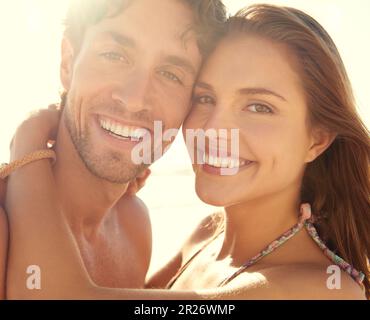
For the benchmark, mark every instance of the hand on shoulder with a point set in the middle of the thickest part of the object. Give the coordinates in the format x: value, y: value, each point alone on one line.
x: 34, y: 132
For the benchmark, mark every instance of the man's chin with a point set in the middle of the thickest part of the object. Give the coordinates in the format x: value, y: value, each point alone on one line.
x: 122, y: 175
x: 107, y: 165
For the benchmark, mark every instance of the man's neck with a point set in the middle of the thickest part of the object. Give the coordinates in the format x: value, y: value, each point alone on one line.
x: 85, y: 198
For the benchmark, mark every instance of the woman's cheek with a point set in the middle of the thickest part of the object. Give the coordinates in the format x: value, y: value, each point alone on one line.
x: 258, y: 133
x: 198, y: 118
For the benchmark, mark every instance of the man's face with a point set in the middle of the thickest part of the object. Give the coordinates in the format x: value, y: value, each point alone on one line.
x: 131, y: 70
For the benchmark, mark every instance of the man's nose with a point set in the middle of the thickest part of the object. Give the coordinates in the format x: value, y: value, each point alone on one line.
x: 134, y: 92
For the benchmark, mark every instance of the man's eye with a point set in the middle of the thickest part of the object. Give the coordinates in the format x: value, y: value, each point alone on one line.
x: 170, y: 76
x: 259, y: 108
x: 114, y: 56
x: 204, y: 100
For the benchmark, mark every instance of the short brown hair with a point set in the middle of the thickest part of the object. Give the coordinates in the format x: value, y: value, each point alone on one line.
x: 210, y: 16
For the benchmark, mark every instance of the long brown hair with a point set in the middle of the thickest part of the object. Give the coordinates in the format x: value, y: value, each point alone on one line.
x: 337, y: 183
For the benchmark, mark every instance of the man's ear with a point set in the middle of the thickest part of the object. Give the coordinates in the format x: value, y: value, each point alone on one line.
x: 321, y: 141
x: 66, y: 67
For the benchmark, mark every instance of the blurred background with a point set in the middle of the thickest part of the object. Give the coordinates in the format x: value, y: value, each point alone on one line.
x: 30, y: 34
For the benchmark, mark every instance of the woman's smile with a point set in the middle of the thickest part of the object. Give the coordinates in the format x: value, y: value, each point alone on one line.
x: 224, y: 166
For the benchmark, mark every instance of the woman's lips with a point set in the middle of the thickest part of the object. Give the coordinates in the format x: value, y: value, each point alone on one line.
x: 224, y: 165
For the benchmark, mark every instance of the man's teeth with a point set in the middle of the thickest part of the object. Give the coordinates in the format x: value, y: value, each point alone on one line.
x: 133, y: 133
x: 229, y: 163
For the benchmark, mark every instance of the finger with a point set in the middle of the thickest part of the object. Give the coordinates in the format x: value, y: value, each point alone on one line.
x: 136, y: 185
x: 141, y: 182
x: 132, y: 188
x: 148, y: 172
x: 142, y: 179
x: 144, y: 174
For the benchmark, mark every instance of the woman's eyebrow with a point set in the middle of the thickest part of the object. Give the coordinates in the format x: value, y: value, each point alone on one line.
x: 245, y: 91
x: 263, y: 91
x: 203, y: 85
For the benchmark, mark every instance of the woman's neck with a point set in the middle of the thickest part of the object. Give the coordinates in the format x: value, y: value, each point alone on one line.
x: 251, y: 226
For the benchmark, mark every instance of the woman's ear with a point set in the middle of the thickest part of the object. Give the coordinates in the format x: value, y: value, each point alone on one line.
x: 321, y: 141
x: 66, y: 67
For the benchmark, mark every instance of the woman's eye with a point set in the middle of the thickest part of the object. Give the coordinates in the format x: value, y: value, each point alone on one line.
x: 115, y: 57
x: 170, y: 76
x: 204, y: 100
x: 259, y: 108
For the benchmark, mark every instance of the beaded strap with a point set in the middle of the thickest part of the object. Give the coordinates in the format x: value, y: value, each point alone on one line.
x: 345, y: 266
x: 7, y: 169
x: 267, y: 250
x: 305, y: 221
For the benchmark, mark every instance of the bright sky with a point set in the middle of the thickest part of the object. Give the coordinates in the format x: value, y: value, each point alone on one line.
x: 30, y: 32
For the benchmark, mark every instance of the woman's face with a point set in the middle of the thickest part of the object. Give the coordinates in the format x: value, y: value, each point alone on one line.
x: 250, y: 84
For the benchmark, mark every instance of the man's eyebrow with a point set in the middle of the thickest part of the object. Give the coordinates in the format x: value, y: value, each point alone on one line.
x: 120, y: 38
x: 182, y: 63
x: 262, y: 91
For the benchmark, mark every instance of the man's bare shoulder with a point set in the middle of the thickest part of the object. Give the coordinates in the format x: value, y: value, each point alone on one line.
x: 134, y: 219
x: 132, y: 209
x: 135, y: 226
x: 298, y: 282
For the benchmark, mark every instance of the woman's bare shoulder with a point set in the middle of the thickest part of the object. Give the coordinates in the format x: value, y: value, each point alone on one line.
x: 299, y: 282
x: 205, y: 230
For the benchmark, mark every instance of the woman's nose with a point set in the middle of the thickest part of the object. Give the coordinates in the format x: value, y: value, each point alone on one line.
x: 221, y: 131
x: 219, y: 119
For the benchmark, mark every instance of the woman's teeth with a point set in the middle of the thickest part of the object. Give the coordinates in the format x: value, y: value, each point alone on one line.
x: 126, y: 132
x: 229, y: 163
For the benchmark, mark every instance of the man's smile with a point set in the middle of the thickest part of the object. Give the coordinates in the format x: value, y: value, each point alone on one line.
x: 121, y: 130
x: 119, y: 134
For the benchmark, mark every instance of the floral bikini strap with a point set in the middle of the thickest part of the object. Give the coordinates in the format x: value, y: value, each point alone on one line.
x: 345, y: 266
x: 305, y: 214
x: 305, y: 220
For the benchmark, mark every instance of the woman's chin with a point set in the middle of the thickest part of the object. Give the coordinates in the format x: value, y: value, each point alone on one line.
x: 211, y: 197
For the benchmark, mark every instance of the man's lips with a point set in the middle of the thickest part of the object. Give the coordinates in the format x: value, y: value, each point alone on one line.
x: 122, y: 129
